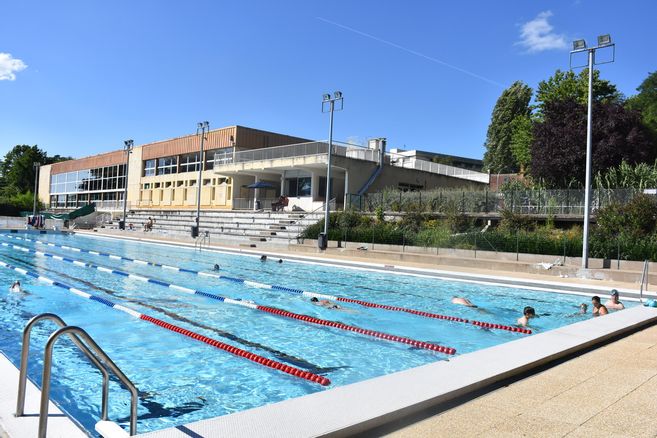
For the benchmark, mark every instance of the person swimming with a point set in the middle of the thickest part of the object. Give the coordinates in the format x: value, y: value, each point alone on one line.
x: 325, y: 303
x: 263, y: 258
x: 462, y: 301
x: 216, y: 267
x: 16, y: 287
x: 280, y: 260
x: 527, y: 314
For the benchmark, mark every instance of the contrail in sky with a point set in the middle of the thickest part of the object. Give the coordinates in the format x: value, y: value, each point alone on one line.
x: 413, y: 52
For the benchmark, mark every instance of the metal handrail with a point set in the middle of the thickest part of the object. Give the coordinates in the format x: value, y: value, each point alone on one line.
x: 22, y: 378
x: 644, y: 279
x: 332, y: 200
x: 204, y: 239
x: 81, y: 339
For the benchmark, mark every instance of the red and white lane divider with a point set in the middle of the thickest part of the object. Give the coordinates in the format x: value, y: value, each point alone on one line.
x: 242, y: 303
x: 258, y: 285
x: 296, y: 372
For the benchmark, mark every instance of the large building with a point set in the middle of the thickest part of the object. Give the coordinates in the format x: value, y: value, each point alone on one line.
x: 165, y: 174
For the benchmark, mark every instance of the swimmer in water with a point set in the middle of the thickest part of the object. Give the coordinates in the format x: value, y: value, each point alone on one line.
x: 598, y: 308
x: 462, y: 301
x: 613, y: 302
x: 216, y: 267
x: 280, y: 260
x: 16, y: 287
x: 528, y: 313
x: 263, y: 258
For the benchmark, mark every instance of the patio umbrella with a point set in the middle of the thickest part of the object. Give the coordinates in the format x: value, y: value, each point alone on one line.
x: 260, y: 185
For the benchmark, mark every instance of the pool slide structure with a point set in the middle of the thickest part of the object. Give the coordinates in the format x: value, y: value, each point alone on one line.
x: 259, y: 285
x: 248, y: 304
x: 296, y: 372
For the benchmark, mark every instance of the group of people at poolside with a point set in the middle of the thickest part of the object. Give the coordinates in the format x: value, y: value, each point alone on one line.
x: 529, y: 312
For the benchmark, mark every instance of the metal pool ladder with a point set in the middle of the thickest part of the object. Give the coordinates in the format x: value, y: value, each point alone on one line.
x: 93, y: 352
x: 202, y: 240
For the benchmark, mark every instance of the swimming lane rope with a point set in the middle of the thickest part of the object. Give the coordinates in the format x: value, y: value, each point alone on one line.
x: 482, y: 324
x: 174, y: 328
x: 250, y: 305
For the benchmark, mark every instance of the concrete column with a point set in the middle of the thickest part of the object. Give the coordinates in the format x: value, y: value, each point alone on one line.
x: 283, y: 184
x: 255, y: 194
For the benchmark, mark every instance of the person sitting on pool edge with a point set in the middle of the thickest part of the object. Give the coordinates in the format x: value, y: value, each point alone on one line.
x: 613, y: 303
x: 527, y: 313
x: 598, y: 309
x: 462, y: 301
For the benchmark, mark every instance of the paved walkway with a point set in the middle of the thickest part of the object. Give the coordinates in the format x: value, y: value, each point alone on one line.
x: 608, y: 392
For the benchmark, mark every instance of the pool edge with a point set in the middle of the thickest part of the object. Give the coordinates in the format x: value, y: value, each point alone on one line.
x: 363, y: 406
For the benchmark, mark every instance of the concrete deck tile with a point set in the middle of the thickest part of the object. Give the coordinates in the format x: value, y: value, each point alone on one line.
x: 594, y: 432
x: 625, y: 421
x: 465, y: 421
x: 529, y: 426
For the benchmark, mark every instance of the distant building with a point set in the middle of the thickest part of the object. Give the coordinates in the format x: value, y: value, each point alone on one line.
x: 450, y: 160
x: 164, y: 174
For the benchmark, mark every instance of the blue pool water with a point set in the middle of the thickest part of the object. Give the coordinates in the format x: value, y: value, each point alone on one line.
x: 181, y: 380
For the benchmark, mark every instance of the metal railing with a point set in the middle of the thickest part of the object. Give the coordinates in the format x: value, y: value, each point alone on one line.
x: 247, y: 203
x: 539, y: 202
x: 301, y: 228
x: 298, y: 150
x: 644, y: 279
x: 90, y: 349
x: 201, y: 241
x: 441, y: 169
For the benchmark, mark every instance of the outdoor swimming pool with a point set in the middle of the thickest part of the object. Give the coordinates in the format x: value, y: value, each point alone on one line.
x: 183, y: 380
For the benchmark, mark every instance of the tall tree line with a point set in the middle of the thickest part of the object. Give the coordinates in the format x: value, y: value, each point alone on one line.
x: 545, y: 139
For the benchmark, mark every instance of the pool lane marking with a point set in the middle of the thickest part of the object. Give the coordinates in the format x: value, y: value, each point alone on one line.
x: 174, y: 328
x: 482, y: 324
x: 254, y: 306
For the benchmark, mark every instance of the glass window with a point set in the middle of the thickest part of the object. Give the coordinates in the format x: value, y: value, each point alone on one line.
x: 189, y: 162
x: 149, y: 168
x: 322, y: 188
x: 167, y: 165
x: 223, y: 156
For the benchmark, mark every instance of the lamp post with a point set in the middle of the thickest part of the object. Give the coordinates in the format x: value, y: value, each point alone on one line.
x: 604, y: 41
x: 330, y: 100
x: 37, y: 167
x: 201, y: 127
x: 127, y: 147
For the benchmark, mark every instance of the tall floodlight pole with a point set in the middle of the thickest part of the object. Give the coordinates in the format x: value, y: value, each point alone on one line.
x: 127, y: 146
x: 201, y: 127
x: 37, y: 167
x: 604, y: 41
x: 327, y: 99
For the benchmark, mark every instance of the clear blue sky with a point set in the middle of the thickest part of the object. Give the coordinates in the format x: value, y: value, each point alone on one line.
x: 89, y: 74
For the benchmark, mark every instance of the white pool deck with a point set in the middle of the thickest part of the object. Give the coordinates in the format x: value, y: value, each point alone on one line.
x: 376, y: 403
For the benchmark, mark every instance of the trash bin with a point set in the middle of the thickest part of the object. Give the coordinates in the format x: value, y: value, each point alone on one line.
x: 121, y: 225
x: 322, y: 241
x: 194, y: 231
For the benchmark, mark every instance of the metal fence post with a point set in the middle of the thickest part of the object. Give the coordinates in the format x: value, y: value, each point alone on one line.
x: 475, y: 245
x: 486, y: 205
x: 517, y: 245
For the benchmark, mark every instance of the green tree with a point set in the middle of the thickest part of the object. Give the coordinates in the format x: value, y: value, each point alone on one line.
x: 646, y: 103
x: 514, y: 102
x: 566, y: 85
x: 17, y: 168
x: 521, y: 141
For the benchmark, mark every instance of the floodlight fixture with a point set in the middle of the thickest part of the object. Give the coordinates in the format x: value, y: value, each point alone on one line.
x: 579, y: 45
x: 604, y: 40
x: 326, y: 97
x: 337, y: 95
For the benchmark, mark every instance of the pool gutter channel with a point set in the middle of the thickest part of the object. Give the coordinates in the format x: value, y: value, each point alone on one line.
x: 384, y: 401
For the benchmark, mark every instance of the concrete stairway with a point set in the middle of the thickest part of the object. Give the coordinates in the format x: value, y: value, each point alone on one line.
x: 235, y: 226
